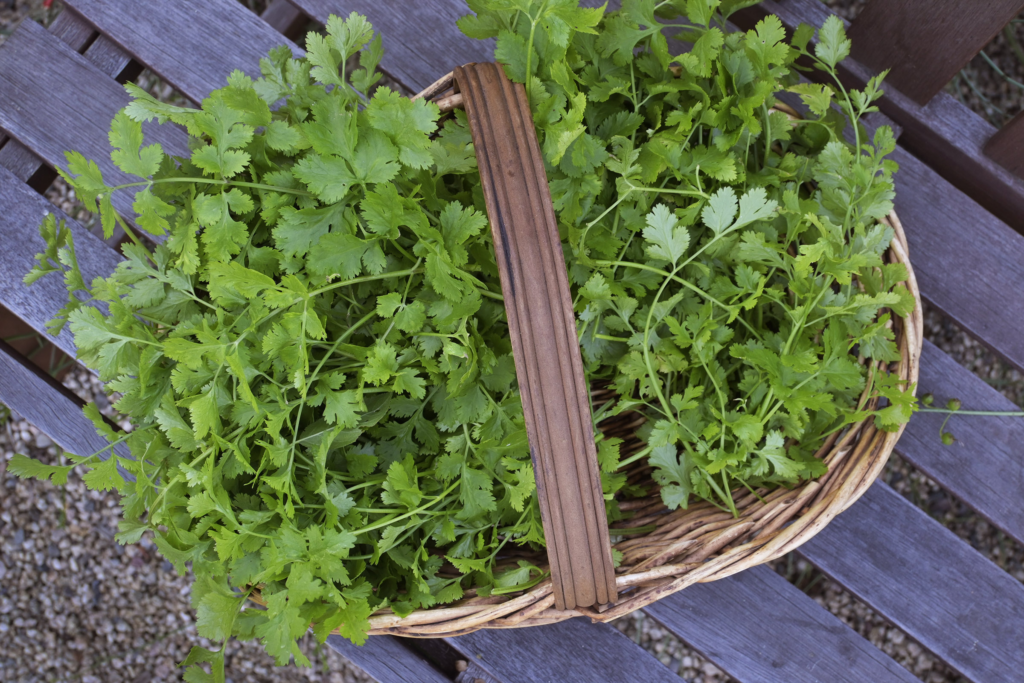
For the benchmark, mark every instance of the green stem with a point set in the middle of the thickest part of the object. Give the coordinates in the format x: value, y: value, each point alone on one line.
x: 993, y: 413
x: 365, y: 278
x: 386, y: 522
x: 214, y: 181
x: 689, y: 285
x: 633, y: 458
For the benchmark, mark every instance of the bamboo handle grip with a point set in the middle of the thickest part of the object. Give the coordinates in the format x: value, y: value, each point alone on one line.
x: 544, y: 344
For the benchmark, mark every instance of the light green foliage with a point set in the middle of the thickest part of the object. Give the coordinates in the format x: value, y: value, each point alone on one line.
x: 725, y: 260
x: 322, y: 392
x: 317, y: 362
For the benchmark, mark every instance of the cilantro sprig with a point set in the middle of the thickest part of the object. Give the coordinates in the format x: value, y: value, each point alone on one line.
x: 315, y: 357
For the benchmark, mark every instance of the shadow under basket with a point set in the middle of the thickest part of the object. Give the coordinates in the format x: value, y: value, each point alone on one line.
x: 700, y: 543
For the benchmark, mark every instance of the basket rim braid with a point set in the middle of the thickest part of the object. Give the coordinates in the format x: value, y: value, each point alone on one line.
x: 700, y: 543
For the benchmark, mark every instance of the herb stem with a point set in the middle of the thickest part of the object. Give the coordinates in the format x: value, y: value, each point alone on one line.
x: 386, y: 522
x: 365, y: 278
x: 214, y: 181
x: 991, y: 413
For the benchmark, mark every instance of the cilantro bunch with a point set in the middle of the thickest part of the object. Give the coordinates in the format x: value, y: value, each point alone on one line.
x: 315, y: 358
x: 726, y: 259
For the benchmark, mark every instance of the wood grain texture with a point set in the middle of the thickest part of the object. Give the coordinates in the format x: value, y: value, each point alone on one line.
x: 108, y: 56
x: 573, y: 651
x: 286, y: 18
x: 944, y: 134
x: 1006, y: 147
x: 926, y: 581
x: 925, y: 42
x: 192, y: 44
x: 77, y: 34
x: 67, y: 106
x: 19, y: 160
x: 21, y: 212
x: 542, y: 325
x: 984, y: 467
x: 969, y: 264
x: 48, y: 405
x: 421, y: 40
x: 793, y: 639
x: 72, y: 30
x: 387, y: 659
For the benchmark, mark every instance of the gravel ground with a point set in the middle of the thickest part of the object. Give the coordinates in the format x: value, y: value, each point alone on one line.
x: 113, y: 613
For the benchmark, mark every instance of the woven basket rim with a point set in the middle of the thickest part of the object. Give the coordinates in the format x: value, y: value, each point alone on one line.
x: 699, y: 544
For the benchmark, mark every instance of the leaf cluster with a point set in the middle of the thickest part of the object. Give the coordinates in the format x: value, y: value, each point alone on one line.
x: 727, y: 260
x: 314, y: 356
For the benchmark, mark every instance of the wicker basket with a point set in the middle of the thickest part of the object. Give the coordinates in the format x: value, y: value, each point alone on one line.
x: 701, y: 543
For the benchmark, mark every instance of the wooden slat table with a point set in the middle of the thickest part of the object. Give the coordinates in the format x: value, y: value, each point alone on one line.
x: 755, y: 626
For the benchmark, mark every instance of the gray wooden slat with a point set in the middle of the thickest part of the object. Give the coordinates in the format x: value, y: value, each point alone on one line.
x: 48, y: 405
x: 573, y: 651
x: 984, y: 467
x: 943, y: 134
x: 421, y: 41
x: 926, y: 581
x: 14, y: 156
x: 21, y: 212
x: 108, y: 56
x: 969, y: 264
x: 786, y: 636
x: 288, y: 19
x: 17, y: 159
x: 192, y: 44
x: 67, y: 106
x: 387, y: 660
x: 925, y: 42
x: 1006, y: 147
x: 69, y: 27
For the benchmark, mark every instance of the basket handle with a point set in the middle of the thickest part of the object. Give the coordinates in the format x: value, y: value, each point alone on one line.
x: 542, y: 326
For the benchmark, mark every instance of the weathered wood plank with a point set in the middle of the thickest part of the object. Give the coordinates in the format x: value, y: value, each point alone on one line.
x: 192, y: 44
x: 969, y: 264
x: 573, y: 651
x: 108, y: 56
x: 67, y: 106
x: 925, y: 42
x: 388, y: 660
x: 70, y: 28
x: 48, y: 405
x: 756, y: 626
x: 14, y: 156
x: 1006, y: 147
x: 17, y: 159
x: 288, y: 19
x: 944, y: 134
x: 926, y: 581
x: 421, y: 40
x: 983, y: 468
